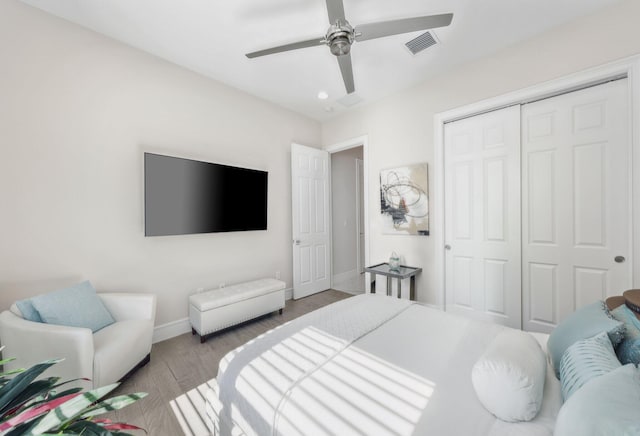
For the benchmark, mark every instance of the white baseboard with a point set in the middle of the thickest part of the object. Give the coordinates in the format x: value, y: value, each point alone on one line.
x: 434, y: 306
x: 171, y: 330
x: 347, y: 275
x: 351, y: 292
x: 179, y: 327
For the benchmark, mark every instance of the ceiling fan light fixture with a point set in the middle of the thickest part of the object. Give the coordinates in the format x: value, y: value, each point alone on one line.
x: 339, y: 38
x: 340, y: 46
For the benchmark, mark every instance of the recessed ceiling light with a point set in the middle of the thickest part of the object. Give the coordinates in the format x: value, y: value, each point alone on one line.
x: 322, y: 95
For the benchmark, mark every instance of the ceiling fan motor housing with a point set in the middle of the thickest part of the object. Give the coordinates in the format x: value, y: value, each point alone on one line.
x: 339, y: 38
x: 341, y: 35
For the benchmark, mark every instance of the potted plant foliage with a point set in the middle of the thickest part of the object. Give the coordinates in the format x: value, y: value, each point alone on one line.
x: 36, y: 407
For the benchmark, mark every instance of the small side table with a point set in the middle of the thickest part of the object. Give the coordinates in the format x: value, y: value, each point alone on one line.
x: 404, y: 272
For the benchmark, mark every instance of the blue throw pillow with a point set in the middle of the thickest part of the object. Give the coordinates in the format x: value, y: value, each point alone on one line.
x: 586, y: 360
x: 582, y: 324
x: 76, y: 306
x: 608, y: 405
x: 629, y: 349
x: 28, y: 311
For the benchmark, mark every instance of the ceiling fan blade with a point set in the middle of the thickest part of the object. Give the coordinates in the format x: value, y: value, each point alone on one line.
x: 287, y: 47
x: 395, y: 27
x: 335, y: 8
x: 347, y: 72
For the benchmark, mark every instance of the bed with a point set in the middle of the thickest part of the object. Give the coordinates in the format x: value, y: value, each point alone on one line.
x: 366, y: 365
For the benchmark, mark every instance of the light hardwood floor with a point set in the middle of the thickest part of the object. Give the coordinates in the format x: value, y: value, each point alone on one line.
x: 182, y: 363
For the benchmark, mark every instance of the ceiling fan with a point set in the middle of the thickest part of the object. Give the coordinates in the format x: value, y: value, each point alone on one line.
x: 341, y: 35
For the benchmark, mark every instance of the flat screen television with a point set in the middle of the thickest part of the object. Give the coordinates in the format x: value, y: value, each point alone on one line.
x: 184, y: 196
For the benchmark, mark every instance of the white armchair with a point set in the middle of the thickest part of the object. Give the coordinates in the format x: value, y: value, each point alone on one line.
x: 104, y: 357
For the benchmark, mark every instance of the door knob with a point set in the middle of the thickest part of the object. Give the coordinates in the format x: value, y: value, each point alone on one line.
x: 619, y: 259
x: 296, y: 241
x: 447, y: 247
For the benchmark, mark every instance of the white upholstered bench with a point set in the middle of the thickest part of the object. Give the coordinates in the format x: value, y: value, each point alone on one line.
x: 215, y: 310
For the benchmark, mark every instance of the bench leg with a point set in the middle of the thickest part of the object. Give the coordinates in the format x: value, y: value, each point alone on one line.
x: 280, y: 311
x: 202, y: 339
x: 193, y: 331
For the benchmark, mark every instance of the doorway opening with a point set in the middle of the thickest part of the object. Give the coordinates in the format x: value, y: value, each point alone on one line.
x: 348, y: 220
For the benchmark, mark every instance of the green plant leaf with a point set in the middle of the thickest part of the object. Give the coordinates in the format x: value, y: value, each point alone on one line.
x: 7, y: 360
x: 12, y: 372
x: 17, y: 384
x: 21, y: 429
x: 33, y: 412
x: 88, y: 428
x: 71, y: 409
x: 115, y: 403
x: 32, y: 391
x: 53, y: 394
x: 122, y: 426
x: 56, y: 395
x: 71, y: 381
x: 31, y: 407
x: 99, y: 429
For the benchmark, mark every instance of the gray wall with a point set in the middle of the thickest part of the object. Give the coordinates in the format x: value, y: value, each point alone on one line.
x: 343, y: 205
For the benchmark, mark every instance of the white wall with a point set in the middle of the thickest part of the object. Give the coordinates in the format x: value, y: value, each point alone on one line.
x: 343, y: 207
x: 76, y: 112
x: 400, y: 128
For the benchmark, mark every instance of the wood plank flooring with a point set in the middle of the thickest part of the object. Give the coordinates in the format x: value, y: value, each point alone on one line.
x: 182, y: 363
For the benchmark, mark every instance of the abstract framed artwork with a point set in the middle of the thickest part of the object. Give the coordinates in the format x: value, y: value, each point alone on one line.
x: 404, y: 200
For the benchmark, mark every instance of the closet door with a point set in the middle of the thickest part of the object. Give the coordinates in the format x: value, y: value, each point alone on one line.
x: 482, y: 217
x: 575, y: 202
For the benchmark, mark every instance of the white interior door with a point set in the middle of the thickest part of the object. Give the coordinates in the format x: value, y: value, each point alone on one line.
x: 576, y: 202
x: 482, y: 217
x: 311, y: 220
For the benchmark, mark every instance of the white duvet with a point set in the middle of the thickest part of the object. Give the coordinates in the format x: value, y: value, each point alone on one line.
x: 367, y: 365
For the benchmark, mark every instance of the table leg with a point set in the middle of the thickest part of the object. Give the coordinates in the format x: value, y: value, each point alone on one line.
x: 388, y: 286
x: 372, y: 284
x: 412, y: 288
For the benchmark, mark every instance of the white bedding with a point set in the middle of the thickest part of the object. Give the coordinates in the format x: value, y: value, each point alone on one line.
x: 366, y: 365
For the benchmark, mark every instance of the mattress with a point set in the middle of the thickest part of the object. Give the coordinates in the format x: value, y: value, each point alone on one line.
x: 362, y: 366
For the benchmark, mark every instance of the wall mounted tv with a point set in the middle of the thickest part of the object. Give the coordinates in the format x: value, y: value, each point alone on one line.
x: 183, y: 196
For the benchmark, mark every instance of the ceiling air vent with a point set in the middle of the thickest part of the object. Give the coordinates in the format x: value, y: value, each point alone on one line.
x: 422, y: 42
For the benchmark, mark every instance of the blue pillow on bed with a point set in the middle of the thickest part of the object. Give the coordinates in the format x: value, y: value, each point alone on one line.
x: 582, y: 324
x: 629, y: 349
x: 584, y: 361
x: 608, y: 405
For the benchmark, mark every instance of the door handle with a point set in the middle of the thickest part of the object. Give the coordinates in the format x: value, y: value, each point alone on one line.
x: 447, y: 247
x: 296, y: 241
x: 619, y: 259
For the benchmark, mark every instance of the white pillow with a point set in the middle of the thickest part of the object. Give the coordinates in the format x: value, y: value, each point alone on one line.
x: 509, y: 376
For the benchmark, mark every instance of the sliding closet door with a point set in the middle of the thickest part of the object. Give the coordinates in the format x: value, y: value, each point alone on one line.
x: 482, y: 217
x: 575, y: 202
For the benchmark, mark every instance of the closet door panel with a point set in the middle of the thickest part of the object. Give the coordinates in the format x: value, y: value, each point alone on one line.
x: 542, y: 281
x: 541, y: 185
x: 482, y: 217
x: 575, y: 202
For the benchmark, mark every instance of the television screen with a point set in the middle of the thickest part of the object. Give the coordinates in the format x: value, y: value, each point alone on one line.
x: 183, y: 196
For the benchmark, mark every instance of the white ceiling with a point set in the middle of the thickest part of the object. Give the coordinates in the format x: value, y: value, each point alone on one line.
x: 212, y: 36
